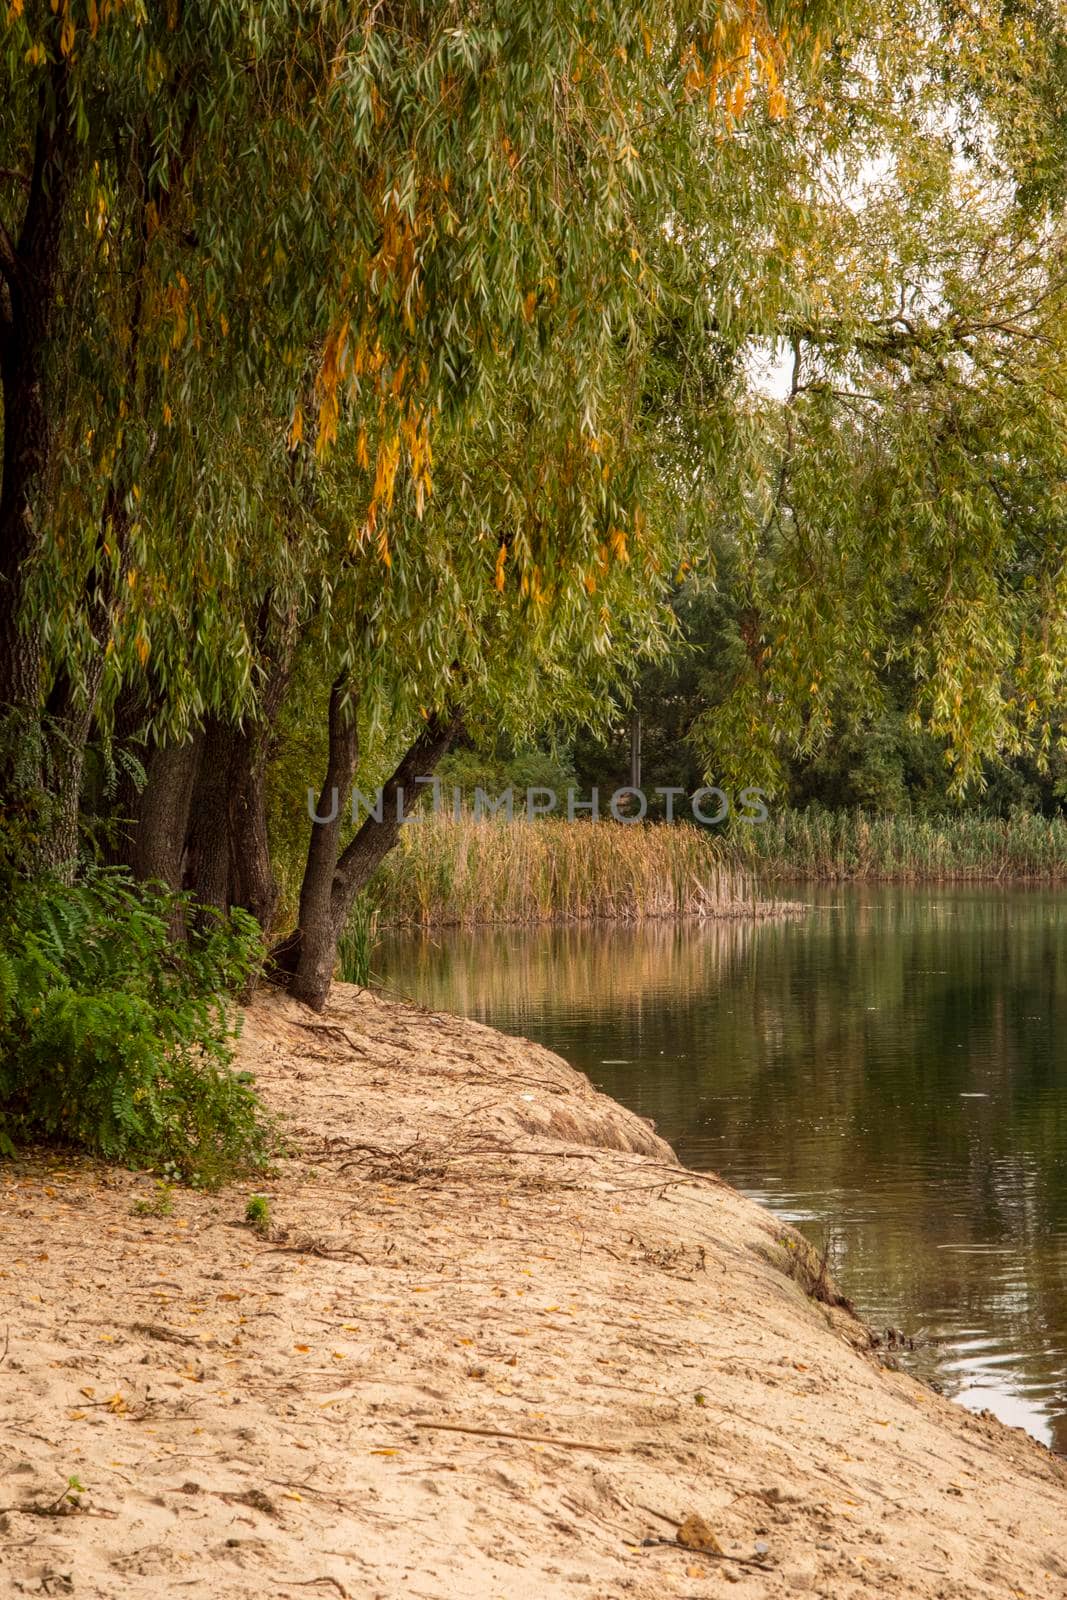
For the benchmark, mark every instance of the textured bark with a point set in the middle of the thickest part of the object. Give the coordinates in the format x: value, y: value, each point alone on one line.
x: 307, y: 957
x: 314, y: 951
x: 254, y: 886
x: 208, y: 869
x: 157, y: 846
x: 70, y: 717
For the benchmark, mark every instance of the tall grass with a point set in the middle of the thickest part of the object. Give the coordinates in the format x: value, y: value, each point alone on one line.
x: 461, y: 873
x: 356, y: 943
x: 835, y: 845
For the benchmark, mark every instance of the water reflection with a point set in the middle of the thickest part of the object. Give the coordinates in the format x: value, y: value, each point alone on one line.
x: 882, y: 1070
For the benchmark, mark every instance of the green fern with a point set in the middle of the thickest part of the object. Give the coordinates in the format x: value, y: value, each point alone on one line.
x: 114, y: 1039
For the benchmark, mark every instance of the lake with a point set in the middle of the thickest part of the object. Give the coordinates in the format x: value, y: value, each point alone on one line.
x: 888, y: 1070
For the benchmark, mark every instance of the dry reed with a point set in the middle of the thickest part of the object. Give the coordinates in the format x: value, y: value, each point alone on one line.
x: 461, y: 873
x: 837, y: 845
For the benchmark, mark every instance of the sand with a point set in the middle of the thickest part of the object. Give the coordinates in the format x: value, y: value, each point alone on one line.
x: 495, y: 1342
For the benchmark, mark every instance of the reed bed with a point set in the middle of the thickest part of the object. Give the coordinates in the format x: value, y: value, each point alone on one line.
x: 448, y: 873
x: 842, y: 845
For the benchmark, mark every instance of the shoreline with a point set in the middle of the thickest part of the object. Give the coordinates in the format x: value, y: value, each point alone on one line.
x: 466, y: 873
x: 495, y: 1339
x: 763, y: 908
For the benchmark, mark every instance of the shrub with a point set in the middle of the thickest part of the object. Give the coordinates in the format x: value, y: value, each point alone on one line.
x: 257, y: 1213
x: 115, y: 1037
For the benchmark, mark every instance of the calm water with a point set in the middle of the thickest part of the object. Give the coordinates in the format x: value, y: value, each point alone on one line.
x: 888, y: 1071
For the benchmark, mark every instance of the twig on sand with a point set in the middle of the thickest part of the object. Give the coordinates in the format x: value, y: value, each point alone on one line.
x: 305, y: 1583
x: 672, y: 1522
x: 531, y: 1438
x: 312, y: 1247
x: 7, y: 1340
x: 710, y: 1555
x: 338, y: 1033
x: 159, y: 1330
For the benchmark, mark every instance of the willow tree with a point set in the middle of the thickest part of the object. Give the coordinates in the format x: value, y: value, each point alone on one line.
x: 407, y: 190
x: 308, y: 302
x: 898, y: 514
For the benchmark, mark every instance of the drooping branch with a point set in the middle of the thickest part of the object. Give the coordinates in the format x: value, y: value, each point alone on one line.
x: 31, y: 276
x: 253, y: 884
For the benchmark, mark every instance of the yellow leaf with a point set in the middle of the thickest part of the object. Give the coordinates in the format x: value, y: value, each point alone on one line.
x: 303, y: 1348
x: 694, y: 1534
x: 501, y: 557
x: 296, y: 427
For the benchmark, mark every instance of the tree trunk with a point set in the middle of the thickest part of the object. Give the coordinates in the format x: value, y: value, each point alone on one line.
x: 313, y: 949
x: 208, y: 869
x: 254, y: 885
x: 30, y: 272
x: 69, y: 719
x: 157, y: 846
x: 331, y: 881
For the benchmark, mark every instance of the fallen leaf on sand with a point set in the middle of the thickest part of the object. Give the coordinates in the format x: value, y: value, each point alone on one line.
x: 695, y: 1534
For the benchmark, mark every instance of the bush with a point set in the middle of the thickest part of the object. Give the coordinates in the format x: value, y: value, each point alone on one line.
x: 118, y: 1039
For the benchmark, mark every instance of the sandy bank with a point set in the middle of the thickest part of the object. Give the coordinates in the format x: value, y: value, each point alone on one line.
x: 467, y: 1237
